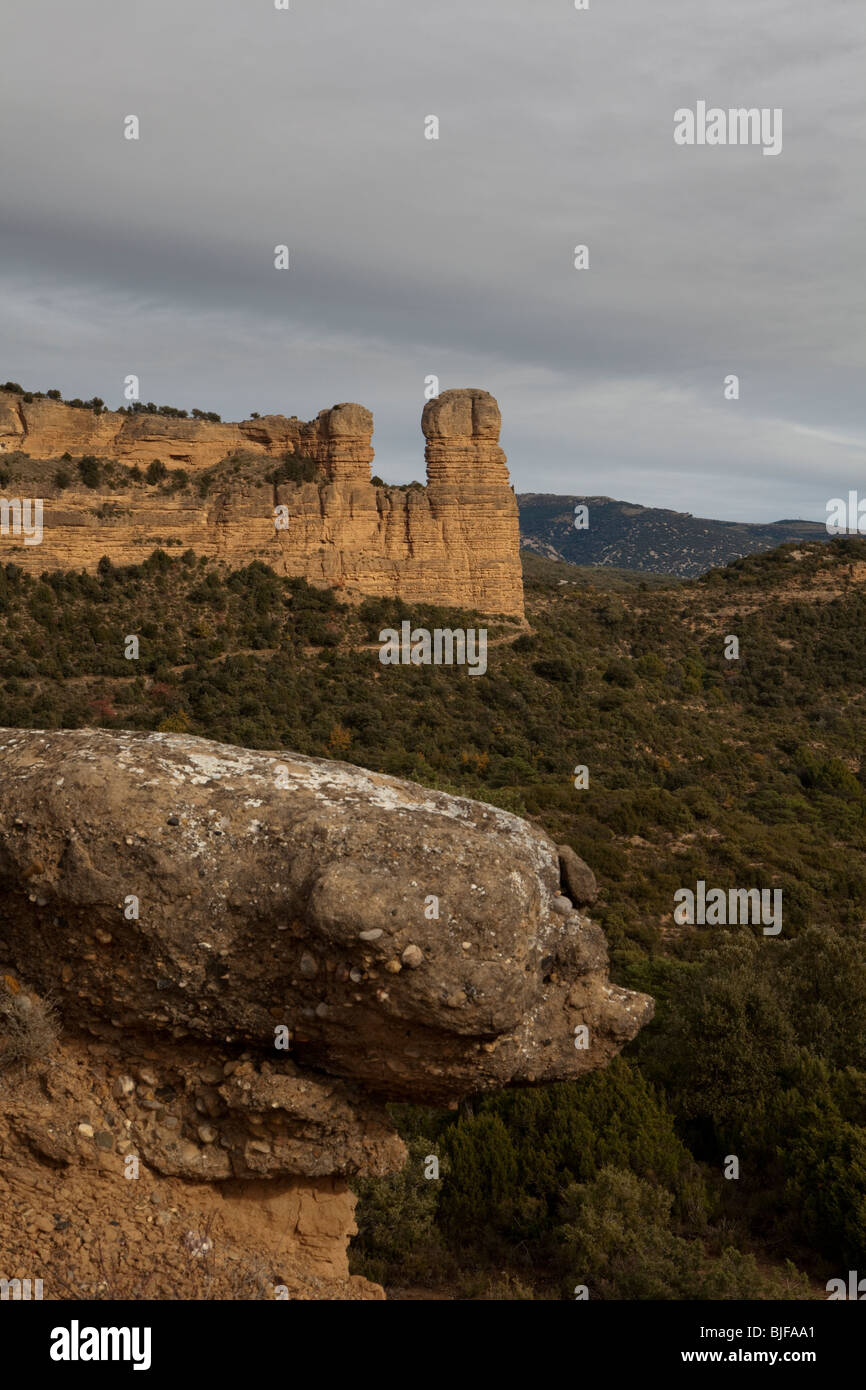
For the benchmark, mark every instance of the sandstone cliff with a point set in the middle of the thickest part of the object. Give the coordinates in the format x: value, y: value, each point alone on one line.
x: 183, y: 902
x: 46, y: 429
x: 455, y: 542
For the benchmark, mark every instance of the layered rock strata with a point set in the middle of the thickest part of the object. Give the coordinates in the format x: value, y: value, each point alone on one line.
x: 454, y: 542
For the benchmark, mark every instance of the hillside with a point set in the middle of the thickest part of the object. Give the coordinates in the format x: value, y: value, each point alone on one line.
x: 651, y: 539
x: 746, y: 773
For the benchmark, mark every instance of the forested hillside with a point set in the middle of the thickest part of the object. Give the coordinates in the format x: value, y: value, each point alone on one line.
x: 746, y: 772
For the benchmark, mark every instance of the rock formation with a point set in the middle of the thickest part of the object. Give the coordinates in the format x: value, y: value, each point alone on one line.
x: 190, y: 906
x: 339, y: 438
x: 455, y: 542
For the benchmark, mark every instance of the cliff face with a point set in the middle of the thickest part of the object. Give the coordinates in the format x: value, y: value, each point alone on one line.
x: 184, y: 901
x: 455, y: 542
x: 46, y: 429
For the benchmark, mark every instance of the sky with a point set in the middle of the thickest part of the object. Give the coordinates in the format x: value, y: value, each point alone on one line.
x: 411, y: 257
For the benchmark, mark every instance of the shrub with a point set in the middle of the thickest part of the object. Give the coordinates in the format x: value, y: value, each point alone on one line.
x: 619, y: 673
x: 396, y: 1218
x: 558, y: 670
x: 28, y: 1025
x: 616, y: 1238
x: 483, y: 1187
x: 89, y: 471
x: 295, y: 469
x: 650, y: 666
x: 728, y: 1039
x: 510, y: 1162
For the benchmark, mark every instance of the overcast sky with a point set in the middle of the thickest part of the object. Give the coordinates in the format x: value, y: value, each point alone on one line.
x: 412, y: 257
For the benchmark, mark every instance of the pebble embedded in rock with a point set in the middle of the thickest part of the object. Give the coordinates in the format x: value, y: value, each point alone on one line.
x: 104, y: 1140
x: 412, y: 957
x: 308, y: 967
x: 371, y: 935
x: 207, y: 1134
x: 86, y: 1131
x: 562, y: 905
x: 173, y: 820
x: 393, y: 966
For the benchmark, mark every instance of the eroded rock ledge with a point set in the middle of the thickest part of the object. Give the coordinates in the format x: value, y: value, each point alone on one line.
x: 455, y: 542
x: 278, y: 890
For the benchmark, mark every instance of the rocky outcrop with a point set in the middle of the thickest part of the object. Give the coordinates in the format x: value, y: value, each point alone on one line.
x: 202, y: 905
x: 462, y: 433
x: 455, y: 542
x: 339, y: 439
x: 578, y: 880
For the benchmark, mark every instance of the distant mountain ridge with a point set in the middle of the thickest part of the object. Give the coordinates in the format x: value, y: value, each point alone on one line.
x: 652, y: 539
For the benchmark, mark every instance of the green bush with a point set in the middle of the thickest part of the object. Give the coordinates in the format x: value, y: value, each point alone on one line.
x: 89, y: 471
x: 295, y: 469
x: 558, y: 670
x: 396, y: 1218
x: 156, y: 472
x: 616, y: 1239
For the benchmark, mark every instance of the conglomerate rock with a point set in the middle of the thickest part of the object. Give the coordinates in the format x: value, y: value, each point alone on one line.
x: 255, y: 951
x: 408, y: 939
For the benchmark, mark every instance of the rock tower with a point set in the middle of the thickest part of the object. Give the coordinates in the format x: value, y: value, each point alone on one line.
x: 455, y: 542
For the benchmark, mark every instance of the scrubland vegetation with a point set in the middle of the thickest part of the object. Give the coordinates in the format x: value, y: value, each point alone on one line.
x: 747, y: 773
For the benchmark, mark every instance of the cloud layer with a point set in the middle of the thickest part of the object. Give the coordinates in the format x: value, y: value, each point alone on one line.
x: 454, y: 257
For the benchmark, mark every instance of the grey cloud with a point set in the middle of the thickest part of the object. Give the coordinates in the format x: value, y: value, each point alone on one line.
x: 455, y: 257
